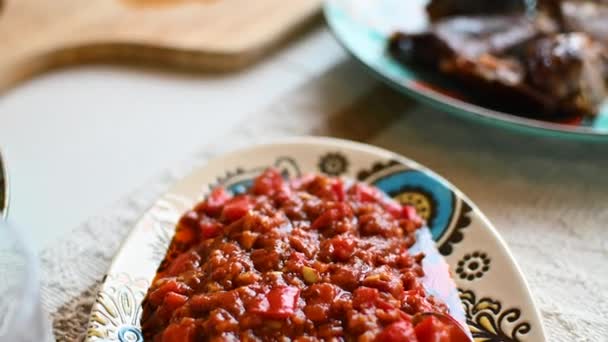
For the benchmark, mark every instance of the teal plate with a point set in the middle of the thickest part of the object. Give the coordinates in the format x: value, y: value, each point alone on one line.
x: 363, y: 28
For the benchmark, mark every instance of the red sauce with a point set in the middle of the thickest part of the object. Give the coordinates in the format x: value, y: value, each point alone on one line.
x: 310, y: 259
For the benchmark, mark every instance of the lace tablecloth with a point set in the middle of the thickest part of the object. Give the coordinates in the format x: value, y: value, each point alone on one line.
x: 548, y: 198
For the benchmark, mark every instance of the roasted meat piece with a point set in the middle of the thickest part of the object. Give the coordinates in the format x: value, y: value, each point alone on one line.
x: 468, y: 37
x: 473, y: 50
x: 568, y: 69
x: 519, y: 63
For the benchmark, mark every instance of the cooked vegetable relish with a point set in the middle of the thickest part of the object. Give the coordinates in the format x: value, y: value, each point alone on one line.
x: 308, y: 259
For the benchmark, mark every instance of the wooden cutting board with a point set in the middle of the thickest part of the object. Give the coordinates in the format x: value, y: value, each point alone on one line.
x: 216, y: 35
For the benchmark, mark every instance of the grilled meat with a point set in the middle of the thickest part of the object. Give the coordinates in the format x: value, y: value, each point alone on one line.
x: 523, y: 63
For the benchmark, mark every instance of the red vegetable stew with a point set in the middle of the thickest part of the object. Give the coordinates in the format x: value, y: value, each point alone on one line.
x: 308, y: 259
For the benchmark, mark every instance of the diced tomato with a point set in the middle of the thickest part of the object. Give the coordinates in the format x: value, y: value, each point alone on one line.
x: 298, y: 183
x: 366, y: 193
x: 296, y: 261
x: 210, y: 229
x: 187, y: 231
x: 384, y: 305
x: 365, y: 297
x: 216, y: 199
x: 338, y: 189
x: 336, y: 213
x: 400, y: 331
x: 183, y: 331
x: 279, y: 302
x: 409, y: 213
x: 432, y: 329
x: 268, y: 183
x: 183, y: 262
x: 174, y: 300
x: 394, y: 208
x: 236, y: 208
x: 343, y: 248
x: 189, y: 219
x: 298, y: 257
x: 157, y: 296
x: 248, y: 239
x: 324, y: 219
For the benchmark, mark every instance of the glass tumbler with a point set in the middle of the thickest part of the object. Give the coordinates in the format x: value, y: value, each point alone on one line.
x: 21, y: 316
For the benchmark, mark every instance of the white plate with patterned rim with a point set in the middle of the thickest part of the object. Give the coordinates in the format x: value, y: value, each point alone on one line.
x: 494, y: 294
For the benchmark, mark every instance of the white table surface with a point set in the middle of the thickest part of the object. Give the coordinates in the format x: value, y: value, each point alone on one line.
x: 76, y: 140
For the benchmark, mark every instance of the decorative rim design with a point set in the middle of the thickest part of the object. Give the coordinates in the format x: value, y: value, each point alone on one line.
x: 473, y: 266
x: 490, y: 322
x: 115, y: 318
x: 337, y: 19
x: 118, y: 310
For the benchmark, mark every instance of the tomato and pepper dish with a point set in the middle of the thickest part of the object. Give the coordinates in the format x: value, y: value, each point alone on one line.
x: 313, y: 258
